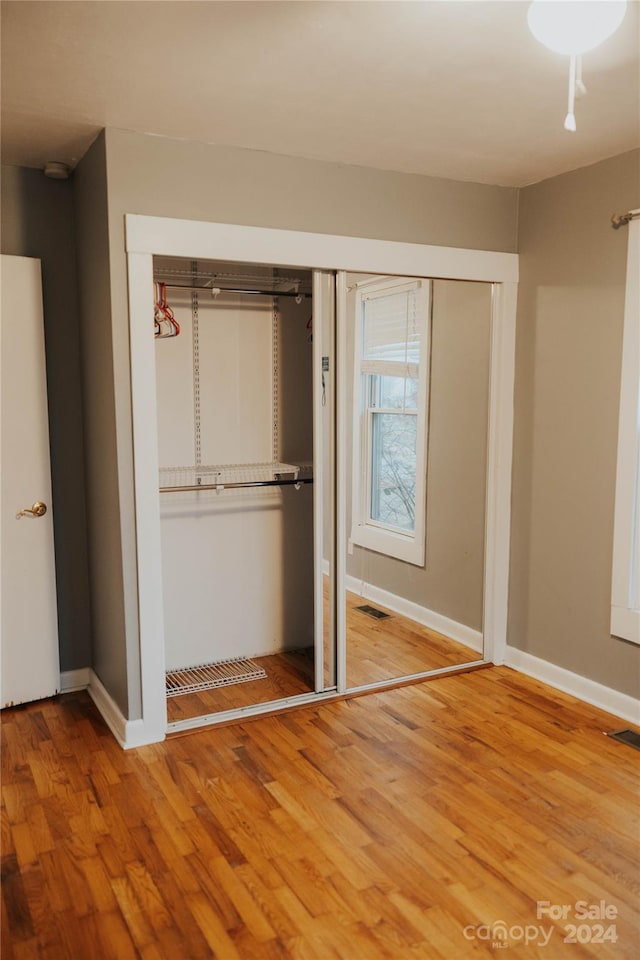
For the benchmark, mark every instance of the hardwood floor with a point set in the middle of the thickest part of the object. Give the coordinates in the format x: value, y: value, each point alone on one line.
x: 288, y: 675
x: 405, y: 824
x: 378, y: 650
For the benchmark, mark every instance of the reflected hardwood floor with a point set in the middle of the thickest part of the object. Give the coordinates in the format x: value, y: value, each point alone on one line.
x: 395, y: 826
x: 288, y: 675
x: 378, y: 650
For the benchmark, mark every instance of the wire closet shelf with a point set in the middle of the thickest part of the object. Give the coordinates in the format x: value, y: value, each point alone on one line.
x: 233, y: 476
x: 219, y: 283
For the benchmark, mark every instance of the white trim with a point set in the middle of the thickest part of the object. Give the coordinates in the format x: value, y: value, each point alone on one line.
x: 605, y: 698
x: 625, y: 623
x: 380, y: 685
x: 625, y: 585
x: 146, y: 236
x: 410, y: 548
x: 323, y: 300
x: 251, y: 710
x: 147, y: 496
x: 72, y: 680
x: 341, y: 479
x: 231, y: 242
x: 128, y: 733
x: 452, y: 629
x: 499, y: 459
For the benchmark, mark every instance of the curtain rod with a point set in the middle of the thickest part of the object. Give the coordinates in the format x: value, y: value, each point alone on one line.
x: 622, y: 219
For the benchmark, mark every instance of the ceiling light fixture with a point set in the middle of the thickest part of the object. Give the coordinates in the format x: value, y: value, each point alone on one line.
x: 574, y: 27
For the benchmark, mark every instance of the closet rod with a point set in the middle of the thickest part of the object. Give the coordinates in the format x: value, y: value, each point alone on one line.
x: 231, y: 486
x: 254, y: 293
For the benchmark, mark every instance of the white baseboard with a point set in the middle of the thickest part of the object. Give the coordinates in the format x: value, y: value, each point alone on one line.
x: 407, y: 608
x: 128, y: 733
x: 605, y: 698
x: 72, y: 680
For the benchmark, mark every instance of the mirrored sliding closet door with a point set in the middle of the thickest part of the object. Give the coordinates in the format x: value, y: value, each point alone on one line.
x: 415, y: 411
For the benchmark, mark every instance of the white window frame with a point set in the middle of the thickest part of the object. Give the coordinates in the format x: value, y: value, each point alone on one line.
x: 625, y: 590
x: 365, y: 531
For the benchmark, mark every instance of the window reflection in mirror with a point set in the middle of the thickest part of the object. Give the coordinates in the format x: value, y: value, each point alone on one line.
x: 417, y: 394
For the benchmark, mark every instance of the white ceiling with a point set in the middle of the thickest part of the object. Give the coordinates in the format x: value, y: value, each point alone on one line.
x: 450, y: 88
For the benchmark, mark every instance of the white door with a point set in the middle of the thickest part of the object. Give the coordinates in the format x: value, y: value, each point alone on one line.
x: 29, y: 665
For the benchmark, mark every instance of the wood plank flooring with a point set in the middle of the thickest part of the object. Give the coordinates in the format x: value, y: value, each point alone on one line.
x: 288, y: 675
x: 378, y: 650
x: 408, y: 824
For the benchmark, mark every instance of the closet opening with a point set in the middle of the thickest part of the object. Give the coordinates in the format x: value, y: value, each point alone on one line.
x: 235, y: 425
x: 258, y: 421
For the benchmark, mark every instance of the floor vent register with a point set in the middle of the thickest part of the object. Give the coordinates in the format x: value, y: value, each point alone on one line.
x: 630, y: 737
x: 208, y: 676
x: 373, y: 612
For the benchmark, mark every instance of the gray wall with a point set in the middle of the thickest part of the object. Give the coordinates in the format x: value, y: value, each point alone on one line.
x: 570, y: 317
x: 198, y: 181
x: 37, y: 221
x: 567, y: 385
x: 175, y: 178
x: 117, y: 666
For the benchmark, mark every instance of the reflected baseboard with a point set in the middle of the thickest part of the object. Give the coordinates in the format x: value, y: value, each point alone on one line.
x: 414, y: 611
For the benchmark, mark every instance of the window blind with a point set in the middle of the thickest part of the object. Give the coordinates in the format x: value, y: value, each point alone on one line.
x: 391, y: 329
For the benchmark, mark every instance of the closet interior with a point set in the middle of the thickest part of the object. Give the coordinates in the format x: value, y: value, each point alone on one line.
x: 252, y: 611
x: 234, y: 384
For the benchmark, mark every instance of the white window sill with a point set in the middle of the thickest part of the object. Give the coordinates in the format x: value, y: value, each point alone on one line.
x: 625, y: 623
x: 390, y: 544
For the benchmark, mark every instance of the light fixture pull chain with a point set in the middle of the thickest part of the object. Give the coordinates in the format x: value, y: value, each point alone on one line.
x: 570, y: 119
x: 581, y: 90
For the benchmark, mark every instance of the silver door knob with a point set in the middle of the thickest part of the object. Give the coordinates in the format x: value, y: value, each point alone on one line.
x: 38, y: 509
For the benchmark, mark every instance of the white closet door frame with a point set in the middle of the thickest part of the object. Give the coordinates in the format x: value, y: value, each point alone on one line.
x: 322, y: 343
x: 149, y: 236
x: 498, y: 494
x: 625, y: 587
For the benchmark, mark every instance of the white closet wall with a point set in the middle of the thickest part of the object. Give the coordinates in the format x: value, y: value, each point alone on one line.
x: 236, y: 372
x: 237, y: 564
